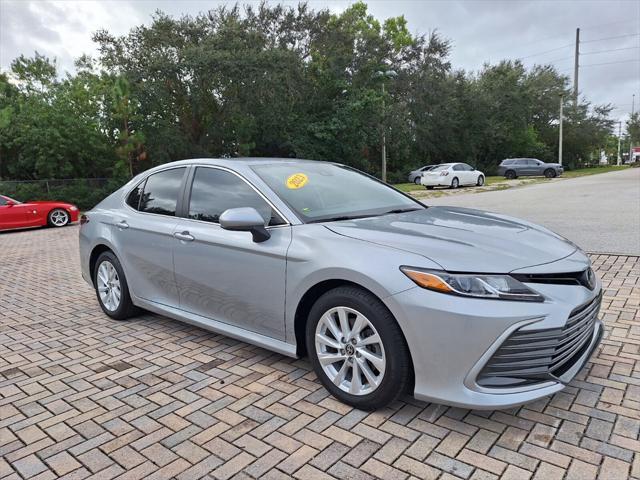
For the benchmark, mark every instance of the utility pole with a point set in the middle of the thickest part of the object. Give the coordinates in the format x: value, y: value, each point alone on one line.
x: 384, y: 139
x: 633, y: 107
x: 560, y: 138
x: 619, y: 137
x: 384, y: 75
x: 576, y: 64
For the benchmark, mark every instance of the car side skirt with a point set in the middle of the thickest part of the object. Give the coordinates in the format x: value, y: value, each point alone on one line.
x: 216, y: 326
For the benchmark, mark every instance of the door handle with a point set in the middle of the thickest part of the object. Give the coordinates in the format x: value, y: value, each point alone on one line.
x: 122, y: 225
x: 184, y: 236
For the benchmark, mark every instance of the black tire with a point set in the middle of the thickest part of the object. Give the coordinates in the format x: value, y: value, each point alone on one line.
x: 126, y: 308
x: 550, y: 173
x: 398, y: 370
x: 58, y: 217
x: 480, y: 181
x: 429, y: 187
x: 416, y: 180
x: 510, y: 175
x: 455, y: 183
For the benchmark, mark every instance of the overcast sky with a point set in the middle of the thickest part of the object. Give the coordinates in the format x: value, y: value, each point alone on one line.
x: 541, y: 31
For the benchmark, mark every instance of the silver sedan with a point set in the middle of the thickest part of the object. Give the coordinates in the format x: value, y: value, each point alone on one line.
x: 384, y: 294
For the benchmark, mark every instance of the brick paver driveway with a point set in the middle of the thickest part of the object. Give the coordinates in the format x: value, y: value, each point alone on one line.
x: 82, y: 395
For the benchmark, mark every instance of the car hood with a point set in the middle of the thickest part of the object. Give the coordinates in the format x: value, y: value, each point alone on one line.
x: 461, y: 239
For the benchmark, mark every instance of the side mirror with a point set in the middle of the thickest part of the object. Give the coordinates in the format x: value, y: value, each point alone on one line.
x: 246, y: 219
x: 10, y: 203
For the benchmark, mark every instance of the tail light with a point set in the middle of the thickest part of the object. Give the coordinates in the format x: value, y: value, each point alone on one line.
x: 444, y: 174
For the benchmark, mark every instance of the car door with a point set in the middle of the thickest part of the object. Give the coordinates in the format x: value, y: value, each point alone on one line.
x: 143, y: 235
x: 520, y: 166
x: 12, y: 215
x: 537, y: 167
x: 469, y: 174
x: 224, y: 275
x: 532, y: 167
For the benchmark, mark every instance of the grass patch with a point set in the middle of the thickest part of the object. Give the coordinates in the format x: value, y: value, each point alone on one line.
x: 580, y: 172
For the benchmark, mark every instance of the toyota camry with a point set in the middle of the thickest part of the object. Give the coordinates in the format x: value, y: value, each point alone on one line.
x: 384, y: 294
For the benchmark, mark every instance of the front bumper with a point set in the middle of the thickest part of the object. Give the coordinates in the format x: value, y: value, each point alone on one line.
x: 451, y: 339
x: 74, y: 215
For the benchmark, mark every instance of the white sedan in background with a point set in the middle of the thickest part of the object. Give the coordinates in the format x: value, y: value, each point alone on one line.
x: 452, y: 175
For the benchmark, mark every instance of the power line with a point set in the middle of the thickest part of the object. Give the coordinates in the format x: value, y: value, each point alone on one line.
x: 611, y: 38
x: 611, y: 63
x: 611, y: 50
x: 559, y: 59
x: 547, y: 51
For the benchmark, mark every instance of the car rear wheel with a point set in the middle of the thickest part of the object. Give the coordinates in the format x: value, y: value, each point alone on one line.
x: 111, y: 287
x: 357, y: 349
x: 58, y: 218
x: 455, y: 183
x: 549, y: 173
x: 510, y: 174
x: 480, y: 181
x: 416, y: 180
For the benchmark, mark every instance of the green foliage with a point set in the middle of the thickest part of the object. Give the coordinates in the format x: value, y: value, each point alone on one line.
x: 281, y: 81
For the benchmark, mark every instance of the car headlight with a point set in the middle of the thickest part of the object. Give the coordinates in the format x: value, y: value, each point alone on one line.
x: 498, y: 287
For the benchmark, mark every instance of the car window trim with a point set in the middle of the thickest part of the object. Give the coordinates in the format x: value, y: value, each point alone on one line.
x: 178, y: 200
x: 189, y: 186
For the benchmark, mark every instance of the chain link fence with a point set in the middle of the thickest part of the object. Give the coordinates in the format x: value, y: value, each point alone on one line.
x: 83, y: 192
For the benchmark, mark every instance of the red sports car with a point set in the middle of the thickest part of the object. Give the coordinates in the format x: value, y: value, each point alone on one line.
x: 14, y: 214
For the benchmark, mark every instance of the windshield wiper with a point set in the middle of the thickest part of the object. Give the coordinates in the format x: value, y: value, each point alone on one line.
x: 339, y: 218
x: 401, y: 210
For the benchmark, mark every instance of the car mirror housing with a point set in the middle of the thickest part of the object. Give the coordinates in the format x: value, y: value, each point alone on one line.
x: 245, y: 219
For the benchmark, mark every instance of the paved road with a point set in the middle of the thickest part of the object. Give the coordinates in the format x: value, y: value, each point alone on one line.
x: 600, y: 213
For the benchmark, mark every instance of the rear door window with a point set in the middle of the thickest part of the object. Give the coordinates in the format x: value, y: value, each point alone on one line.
x: 133, y: 199
x: 161, y: 191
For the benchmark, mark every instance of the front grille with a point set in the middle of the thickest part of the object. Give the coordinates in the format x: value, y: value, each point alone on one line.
x: 585, y: 278
x: 533, y: 356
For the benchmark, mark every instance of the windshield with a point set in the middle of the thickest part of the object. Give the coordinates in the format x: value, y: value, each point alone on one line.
x: 3, y: 200
x: 440, y: 168
x: 324, y: 192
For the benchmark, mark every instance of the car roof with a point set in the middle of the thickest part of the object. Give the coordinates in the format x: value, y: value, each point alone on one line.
x: 244, y: 161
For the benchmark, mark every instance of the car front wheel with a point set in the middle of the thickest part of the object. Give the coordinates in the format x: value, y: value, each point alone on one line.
x: 58, y: 218
x: 357, y: 349
x: 549, y: 173
x: 111, y: 287
x: 480, y: 181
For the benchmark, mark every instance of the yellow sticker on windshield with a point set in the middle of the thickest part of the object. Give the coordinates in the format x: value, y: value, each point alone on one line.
x: 297, y: 180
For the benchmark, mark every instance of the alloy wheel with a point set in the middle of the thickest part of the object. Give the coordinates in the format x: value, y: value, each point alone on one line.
x: 109, y: 286
x: 59, y: 218
x: 350, y: 351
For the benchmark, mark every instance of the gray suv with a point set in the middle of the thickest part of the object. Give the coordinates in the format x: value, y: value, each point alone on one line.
x: 517, y: 167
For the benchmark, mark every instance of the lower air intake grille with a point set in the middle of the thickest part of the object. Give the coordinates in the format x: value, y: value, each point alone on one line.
x: 534, y: 356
